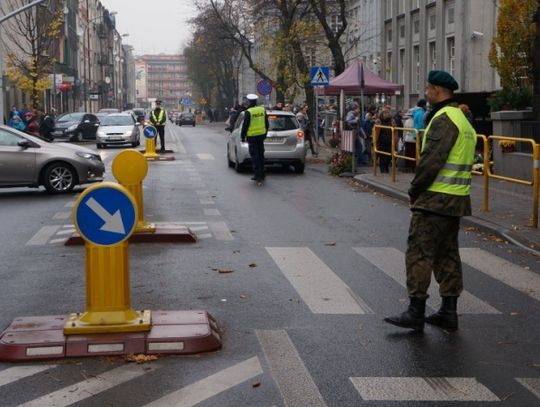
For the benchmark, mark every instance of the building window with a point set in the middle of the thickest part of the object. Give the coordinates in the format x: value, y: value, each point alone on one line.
x: 432, y: 21
x: 416, y: 69
x: 432, y: 49
x: 335, y: 23
x: 402, y: 31
x: 389, y: 35
x: 416, y: 26
x: 450, y: 15
x: 415, y: 4
x: 388, y: 65
x: 388, y: 10
x: 402, y: 65
x: 450, y: 50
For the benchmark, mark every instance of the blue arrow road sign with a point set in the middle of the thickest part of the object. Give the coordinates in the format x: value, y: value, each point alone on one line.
x: 105, y: 215
x: 320, y: 75
x: 150, y: 132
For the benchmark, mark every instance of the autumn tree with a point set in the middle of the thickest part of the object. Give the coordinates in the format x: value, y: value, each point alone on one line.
x: 511, y: 53
x: 28, y: 38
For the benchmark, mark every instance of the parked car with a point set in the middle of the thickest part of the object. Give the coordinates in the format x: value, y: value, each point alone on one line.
x: 29, y: 161
x: 76, y: 126
x: 283, y: 145
x: 185, y: 118
x: 119, y: 128
x: 140, y: 114
x: 109, y: 110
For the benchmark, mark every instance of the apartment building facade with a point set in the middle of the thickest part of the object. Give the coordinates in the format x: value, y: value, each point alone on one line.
x: 162, y: 77
x: 452, y: 35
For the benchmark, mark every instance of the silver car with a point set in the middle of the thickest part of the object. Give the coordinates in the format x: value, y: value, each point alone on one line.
x: 284, y: 143
x: 31, y: 161
x: 118, y: 128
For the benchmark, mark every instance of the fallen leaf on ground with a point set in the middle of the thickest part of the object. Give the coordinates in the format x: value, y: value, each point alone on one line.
x: 141, y: 358
x: 514, y: 313
x: 330, y: 244
x: 243, y: 296
x: 256, y: 384
x: 222, y: 271
x: 253, y: 265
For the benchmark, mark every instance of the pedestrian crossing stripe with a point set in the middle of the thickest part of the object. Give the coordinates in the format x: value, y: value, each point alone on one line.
x: 422, y: 389
x: 319, y: 75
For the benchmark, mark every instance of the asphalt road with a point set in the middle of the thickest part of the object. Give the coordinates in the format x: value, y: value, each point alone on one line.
x: 315, y: 262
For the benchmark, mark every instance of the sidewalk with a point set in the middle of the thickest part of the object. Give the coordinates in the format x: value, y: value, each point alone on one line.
x: 510, y: 205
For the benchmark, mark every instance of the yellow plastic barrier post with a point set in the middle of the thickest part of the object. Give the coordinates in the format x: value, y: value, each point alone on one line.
x: 150, y: 134
x: 105, y: 216
x: 130, y: 168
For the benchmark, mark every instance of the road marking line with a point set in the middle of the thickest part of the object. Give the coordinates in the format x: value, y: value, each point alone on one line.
x: 65, y: 232
x: 13, y: 374
x: 391, y: 261
x: 320, y: 288
x: 199, y: 228
x: 43, y: 235
x: 532, y: 384
x: 54, y: 241
x: 70, y: 204
x: 500, y: 269
x: 422, y: 389
x: 69, y: 226
x: 90, y: 387
x: 212, y: 385
x: 62, y: 215
x: 206, y: 201
x: 205, y: 157
x: 220, y: 231
x: 204, y: 236
x: 288, y: 370
x: 211, y: 212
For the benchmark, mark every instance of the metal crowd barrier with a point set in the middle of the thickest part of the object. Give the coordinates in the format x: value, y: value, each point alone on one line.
x: 486, y: 172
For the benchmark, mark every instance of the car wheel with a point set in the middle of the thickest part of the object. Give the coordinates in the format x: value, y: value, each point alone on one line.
x: 299, y: 168
x: 77, y: 136
x: 99, y: 145
x: 230, y: 163
x: 59, y: 177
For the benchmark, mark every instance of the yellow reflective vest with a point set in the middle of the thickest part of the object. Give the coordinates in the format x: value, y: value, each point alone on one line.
x: 455, y: 177
x: 257, y: 124
x: 160, y: 118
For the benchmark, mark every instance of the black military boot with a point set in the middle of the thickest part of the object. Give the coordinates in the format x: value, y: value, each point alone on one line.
x: 446, y: 317
x: 413, y: 318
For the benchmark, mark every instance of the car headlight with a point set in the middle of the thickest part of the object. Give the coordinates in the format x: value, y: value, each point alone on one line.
x: 72, y: 127
x: 128, y: 133
x: 88, y: 156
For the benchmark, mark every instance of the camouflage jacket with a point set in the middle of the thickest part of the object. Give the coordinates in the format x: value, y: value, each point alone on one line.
x: 442, y: 135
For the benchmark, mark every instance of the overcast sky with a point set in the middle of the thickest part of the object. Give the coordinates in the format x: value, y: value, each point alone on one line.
x: 157, y: 26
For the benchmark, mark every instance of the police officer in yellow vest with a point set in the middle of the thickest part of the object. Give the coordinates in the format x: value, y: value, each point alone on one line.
x: 254, y: 129
x: 158, y: 119
x: 439, y: 197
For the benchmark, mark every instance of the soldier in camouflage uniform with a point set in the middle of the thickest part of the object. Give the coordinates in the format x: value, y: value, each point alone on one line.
x: 439, y: 197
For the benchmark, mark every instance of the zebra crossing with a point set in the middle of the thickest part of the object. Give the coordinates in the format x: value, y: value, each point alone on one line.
x: 324, y: 293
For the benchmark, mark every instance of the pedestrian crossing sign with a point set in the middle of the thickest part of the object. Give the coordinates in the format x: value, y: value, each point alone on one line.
x: 320, y: 75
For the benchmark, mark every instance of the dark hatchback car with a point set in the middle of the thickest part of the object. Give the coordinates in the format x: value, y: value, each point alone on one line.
x: 186, y: 118
x: 76, y: 126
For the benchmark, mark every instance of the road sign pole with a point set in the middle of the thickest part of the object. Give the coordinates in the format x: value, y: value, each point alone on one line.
x: 105, y: 216
x: 130, y: 168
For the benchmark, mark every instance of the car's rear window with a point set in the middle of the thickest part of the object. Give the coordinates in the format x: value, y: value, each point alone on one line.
x: 112, y: 120
x: 281, y: 123
x: 71, y: 117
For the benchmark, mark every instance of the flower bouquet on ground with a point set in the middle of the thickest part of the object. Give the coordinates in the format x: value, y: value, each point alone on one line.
x: 340, y: 162
x: 507, y: 146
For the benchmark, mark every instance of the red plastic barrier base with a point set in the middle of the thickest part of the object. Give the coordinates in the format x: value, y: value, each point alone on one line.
x: 172, y: 332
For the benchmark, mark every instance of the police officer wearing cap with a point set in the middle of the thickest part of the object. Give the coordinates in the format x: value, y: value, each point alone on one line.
x: 158, y: 119
x: 439, y: 197
x: 254, y: 129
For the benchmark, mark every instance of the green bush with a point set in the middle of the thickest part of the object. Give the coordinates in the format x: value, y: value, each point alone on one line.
x: 340, y: 162
x: 510, y: 99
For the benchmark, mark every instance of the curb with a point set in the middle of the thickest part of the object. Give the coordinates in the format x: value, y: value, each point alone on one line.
x: 473, y: 221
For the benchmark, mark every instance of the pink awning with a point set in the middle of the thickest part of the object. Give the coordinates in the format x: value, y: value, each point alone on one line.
x: 349, y: 82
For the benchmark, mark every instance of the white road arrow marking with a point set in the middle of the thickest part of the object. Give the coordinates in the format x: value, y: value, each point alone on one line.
x: 113, y: 223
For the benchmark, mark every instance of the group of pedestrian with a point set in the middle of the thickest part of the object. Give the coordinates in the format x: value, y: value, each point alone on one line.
x: 34, y: 122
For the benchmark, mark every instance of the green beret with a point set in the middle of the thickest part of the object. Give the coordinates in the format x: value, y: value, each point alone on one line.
x: 442, y: 79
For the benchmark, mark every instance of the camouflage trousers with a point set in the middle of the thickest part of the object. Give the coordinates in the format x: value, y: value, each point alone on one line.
x: 432, y: 245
